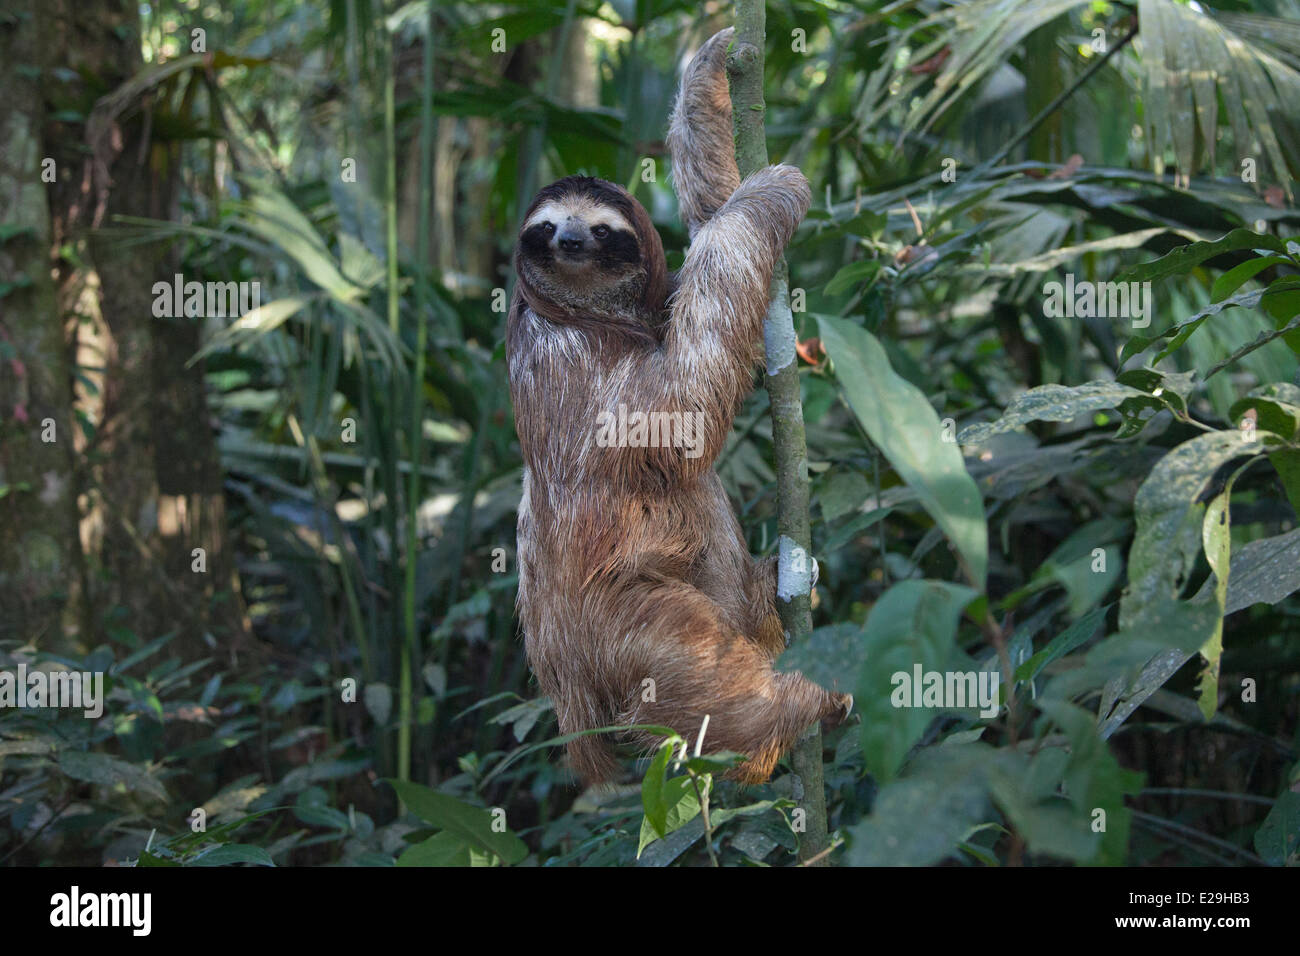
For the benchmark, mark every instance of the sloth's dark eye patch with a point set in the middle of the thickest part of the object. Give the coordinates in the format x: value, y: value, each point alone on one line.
x: 535, y: 243
x: 600, y: 232
x: 619, y: 247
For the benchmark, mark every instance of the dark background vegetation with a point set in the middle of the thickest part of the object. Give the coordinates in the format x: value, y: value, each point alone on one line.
x: 346, y: 459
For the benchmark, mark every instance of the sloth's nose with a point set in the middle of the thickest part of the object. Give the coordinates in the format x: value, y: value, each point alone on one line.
x: 570, y: 240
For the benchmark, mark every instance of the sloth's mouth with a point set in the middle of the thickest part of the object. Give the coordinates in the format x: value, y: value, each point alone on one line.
x: 573, y: 260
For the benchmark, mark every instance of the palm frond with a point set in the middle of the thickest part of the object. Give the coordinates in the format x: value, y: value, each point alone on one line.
x: 1188, y: 60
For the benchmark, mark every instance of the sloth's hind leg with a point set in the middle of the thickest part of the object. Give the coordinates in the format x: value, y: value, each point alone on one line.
x: 684, y: 662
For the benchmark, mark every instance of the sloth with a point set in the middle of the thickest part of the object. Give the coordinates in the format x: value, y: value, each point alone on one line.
x: 638, y: 599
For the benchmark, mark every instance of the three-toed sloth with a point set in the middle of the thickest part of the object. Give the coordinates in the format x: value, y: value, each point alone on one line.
x: 639, y: 601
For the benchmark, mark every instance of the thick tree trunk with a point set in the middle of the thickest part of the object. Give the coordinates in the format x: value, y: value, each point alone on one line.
x: 38, y: 526
x: 150, y: 476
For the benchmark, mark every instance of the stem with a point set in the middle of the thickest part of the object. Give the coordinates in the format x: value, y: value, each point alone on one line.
x: 414, y: 437
x: 745, y: 71
x: 1064, y: 95
x: 703, y: 797
x: 394, y: 324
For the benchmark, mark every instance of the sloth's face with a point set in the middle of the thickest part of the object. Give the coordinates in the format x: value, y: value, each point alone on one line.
x: 576, y: 237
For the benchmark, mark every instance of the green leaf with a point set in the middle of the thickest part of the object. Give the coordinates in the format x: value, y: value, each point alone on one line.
x: 654, y: 800
x: 681, y: 806
x: 1182, y: 331
x: 1277, y: 409
x: 232, y: 853
x: 1258, y: 342
x: 919, y: 819
x: 1095, y: 781
x: 842, y: 492
x: 1287, y: 463
x: 1264, y: 572
x: 851, y: 274
x: 1240, y: 274
x: 1068, y: 640
x: 1158, y: 630
x: 1279, y: 835
x: 472, y: 824
x: 110, y: 772
x: 913, y: 623
x: 253, y: 324
x: 900, y: 422
x: 523, y: 717
x: 1184, y: 259
x: 1052, y: 403
x: 1025, y: 790
x: 830, y: 656
x: 719, y: 762
x: 442, y: 849
x: 1167, y: 539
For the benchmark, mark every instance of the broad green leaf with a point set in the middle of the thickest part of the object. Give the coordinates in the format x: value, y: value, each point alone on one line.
x: 1258, y: 342
x: 1239, y: 275
x: 1278, y: 837
x: 110, y: 772
x: 842, y: 492
x: 1072, y: 637
x: 1054, y: 258
x: 1277, y: 409
x: 1167, y: 540
x: 719, y: 762
x: 1182, y: 331
x: 1048, y: 823
x: 900, y: 422
x: 851, y: 275
x: 1158, y: 630
x: 1087, y: 564
x: 830, y: 656
x: 232, y: 853
x: 1287, y: 463
x: 442, y: 849
x: 1052, y: 403
x: 1094, y: 781
x: 913, y: 624
x: 472, y: 824
x: 1166, y: 390
x: 921, y: 817
x: 1264, y: 571
x: 682, y: 806
x: 1181, y: 261
x: 654, y: 796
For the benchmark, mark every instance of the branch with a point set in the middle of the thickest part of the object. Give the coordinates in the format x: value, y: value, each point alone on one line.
x: 745, y: 72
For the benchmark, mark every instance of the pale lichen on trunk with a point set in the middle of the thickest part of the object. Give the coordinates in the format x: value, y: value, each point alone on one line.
x: 745, y: 71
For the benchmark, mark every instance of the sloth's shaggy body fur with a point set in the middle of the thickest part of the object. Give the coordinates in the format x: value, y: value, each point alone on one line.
x: 638, y: 598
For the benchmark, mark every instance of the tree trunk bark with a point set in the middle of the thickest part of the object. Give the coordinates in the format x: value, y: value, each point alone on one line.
x: 38, y: 523
x: 154, y: 524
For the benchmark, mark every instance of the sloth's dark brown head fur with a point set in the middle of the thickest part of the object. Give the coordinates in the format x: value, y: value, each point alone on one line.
x: 589, y: 255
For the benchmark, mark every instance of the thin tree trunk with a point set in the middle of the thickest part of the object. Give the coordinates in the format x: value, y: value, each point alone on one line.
x: 745, y: 69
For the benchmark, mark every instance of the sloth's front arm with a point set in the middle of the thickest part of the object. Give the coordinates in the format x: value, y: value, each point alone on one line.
x: 714, y: 335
